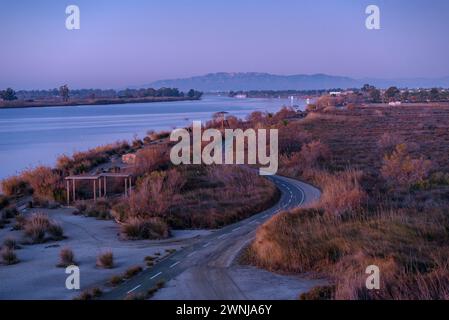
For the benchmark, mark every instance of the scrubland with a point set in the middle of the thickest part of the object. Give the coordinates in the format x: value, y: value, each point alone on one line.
x: 384, y: 175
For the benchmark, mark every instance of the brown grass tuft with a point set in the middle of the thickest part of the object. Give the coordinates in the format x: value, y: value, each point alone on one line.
x: 105, y: 260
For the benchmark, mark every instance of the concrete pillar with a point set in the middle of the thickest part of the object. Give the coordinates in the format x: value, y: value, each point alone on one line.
x: 99, y: 187
x: 104, y: 184
x: 95, y: 190
x: 126, y: 187
x: 74, y: 192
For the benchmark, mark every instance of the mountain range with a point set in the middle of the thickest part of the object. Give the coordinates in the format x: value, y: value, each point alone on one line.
x: 224, y: 81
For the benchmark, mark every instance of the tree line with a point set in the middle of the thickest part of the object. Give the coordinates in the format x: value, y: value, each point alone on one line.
x: 64, y: 93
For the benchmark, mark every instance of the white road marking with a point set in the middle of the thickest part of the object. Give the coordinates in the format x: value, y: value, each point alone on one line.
x: 205, y: 245
x: 174, y: 264
x: 157, y: 274
x: 133, y: 289
x: 236, y: 229
x: 265, y: 216
x: 222, y: 236
x: 191, y: 253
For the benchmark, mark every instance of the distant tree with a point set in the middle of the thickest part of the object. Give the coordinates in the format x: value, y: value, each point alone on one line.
x: 374, y: 95
x: 405, y: 96
x: 367, y: 88
x: 194, y: 94
x: 64, y: 92
x: 191, y: 93
x: 434, y: 94
x: 8, y: 95
x: 392, y: 93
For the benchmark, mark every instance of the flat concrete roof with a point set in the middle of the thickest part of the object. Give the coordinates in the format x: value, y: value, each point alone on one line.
x: 97, y: 176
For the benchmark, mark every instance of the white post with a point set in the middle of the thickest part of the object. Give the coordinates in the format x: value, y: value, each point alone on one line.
x: 68, y: 192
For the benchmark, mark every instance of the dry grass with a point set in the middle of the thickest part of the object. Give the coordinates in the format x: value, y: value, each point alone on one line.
x: 8, y: 256
x: 105, y: 260
x: 390, y: 211
x: 89, y: 294
x: 406, y: 247
x: 150, y: 159
x: 402, y: 171
x: 132, y: 271
x: 15, y: 186
x: 81, y: 162
x: 40, y: 228
x: 192, y: 197
x: 100, y: 209
x: 215, y: 196
x: 44, y: 183
x: 66, y: 258
x: 149, y: 228
x: 116, y: 280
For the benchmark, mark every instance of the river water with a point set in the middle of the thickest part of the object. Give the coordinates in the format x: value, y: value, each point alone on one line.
x: 35, y: 136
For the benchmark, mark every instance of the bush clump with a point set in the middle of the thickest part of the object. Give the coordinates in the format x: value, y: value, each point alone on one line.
x: 9, y: 256
x: 66, y: 258
x: 40, y: 228
x: 105, y: 260
x: 150, y: 228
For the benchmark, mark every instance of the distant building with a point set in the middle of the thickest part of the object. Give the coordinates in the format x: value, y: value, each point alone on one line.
x: 335, y: 93
x: 240, y: 96
x: 395, y: 103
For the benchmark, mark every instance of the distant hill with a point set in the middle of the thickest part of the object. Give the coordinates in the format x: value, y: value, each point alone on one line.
x: 223, y: 81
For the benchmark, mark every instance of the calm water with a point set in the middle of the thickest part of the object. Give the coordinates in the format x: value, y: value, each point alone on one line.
x: 29, y: 137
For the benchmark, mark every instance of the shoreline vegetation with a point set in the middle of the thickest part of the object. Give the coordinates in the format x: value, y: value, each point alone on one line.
x: 65, y: 97
x: 165, y: 196
x: 36, y: 104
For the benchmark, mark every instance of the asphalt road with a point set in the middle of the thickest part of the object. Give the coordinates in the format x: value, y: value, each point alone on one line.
x: 207, y: 260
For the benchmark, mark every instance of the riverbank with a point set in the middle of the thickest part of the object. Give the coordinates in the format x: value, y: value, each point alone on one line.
x: 85, y: 102
x: 33, y: 136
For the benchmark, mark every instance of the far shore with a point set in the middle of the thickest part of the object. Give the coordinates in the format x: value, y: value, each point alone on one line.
x: 84, y: 102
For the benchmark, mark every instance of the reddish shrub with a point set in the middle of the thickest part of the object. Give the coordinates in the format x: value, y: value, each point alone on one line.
x: 44, y: 182
x: 150, y: 159
x: 389, y: 141
x: 105, y: 260
x: 313, y: 153
x: 14, y: 186
x: 402, y: 171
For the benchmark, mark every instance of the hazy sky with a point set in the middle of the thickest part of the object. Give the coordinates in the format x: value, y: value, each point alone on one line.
x: 134, y: 42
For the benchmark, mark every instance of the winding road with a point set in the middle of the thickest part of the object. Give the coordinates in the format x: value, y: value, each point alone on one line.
x: 203, y: 270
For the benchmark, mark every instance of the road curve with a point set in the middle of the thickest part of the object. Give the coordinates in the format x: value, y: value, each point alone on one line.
x: 205, y: 263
